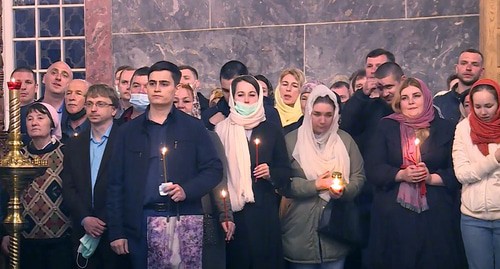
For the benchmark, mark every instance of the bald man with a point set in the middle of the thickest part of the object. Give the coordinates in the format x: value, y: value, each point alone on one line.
x: 56, y: 81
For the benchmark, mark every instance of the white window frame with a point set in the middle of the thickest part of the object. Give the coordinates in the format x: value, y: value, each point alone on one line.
x: 8, y: 44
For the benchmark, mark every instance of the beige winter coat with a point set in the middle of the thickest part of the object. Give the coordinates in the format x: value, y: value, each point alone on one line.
x: 479, y: 175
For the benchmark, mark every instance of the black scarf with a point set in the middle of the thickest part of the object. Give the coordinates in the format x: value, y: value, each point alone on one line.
x: 76, y: 116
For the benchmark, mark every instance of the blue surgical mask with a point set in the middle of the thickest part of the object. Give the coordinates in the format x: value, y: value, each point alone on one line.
x: 245, y: 109
x: 139, y: 101
x: 88, y: 244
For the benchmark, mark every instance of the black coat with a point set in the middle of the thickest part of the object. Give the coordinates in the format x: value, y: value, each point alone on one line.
x: 360, y: 117
x: 192, y: 162
x: 400, y: 238
x: 257, y: 240
x: 77, y: 188
x: 77, y: 196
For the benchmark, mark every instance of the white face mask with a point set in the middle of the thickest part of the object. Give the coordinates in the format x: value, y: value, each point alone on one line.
x: 87, y: 247
x: 245, y: 109
x: 139, y: 101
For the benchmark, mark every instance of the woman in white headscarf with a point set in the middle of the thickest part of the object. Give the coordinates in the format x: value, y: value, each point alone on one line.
x: 317, y: 149
x: 254, y: 172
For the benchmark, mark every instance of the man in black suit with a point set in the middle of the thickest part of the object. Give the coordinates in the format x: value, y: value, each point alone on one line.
x: 85, y: 176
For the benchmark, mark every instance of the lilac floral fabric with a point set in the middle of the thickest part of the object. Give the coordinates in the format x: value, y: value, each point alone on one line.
x: 175, y: 243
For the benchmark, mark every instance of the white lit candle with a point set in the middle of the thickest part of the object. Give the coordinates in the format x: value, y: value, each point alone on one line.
x: 223, y: 194
x: 163, y: 155
x: 418, y: 157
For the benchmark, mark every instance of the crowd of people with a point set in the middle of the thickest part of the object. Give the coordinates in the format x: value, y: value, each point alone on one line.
x: 152, y: 174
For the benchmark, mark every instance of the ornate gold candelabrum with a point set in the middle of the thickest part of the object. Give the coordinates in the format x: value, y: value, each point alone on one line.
x: 16, y: 172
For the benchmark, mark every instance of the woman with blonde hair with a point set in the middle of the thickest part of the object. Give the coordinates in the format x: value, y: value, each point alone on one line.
x: 287, y: 97
x: 215, y: 96
x: 414, y: 222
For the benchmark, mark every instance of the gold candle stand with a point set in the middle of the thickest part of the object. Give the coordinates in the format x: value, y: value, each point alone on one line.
x: 16, y: 172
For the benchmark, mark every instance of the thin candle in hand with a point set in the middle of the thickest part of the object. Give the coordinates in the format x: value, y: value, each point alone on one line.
x: 257, y: 142
x: 418, y: 158
x: 223, y: 194
x: 163, y: 157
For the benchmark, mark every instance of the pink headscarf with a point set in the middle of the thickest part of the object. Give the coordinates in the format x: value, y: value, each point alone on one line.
x: 56, y: 132
x: 413, y: 195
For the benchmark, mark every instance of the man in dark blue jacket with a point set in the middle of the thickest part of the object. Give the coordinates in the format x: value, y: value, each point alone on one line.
x: 192, y: 166
x: 469, y: 69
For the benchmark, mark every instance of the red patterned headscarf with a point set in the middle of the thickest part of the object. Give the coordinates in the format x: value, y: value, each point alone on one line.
x: 482, y: 133
x: 413, y: 195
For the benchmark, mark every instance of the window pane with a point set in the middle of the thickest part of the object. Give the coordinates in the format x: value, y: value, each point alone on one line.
x: 25, y: 53
x: 49, y: 22
x: 74, y: 50
x: 73, y: 21
x: 49, y: 2
x: 78, y: 75
x: 50, y: 53
x: 25, y: 22
x: 24, y: 2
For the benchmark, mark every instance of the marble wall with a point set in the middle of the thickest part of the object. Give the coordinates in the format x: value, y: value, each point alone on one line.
x: 324, y: 38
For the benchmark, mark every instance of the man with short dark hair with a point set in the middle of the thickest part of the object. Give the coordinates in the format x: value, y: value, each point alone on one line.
x: 118, y: 73
x: 161, y: 145
x: 373, y: 60
x: 190, y: 76
x: 85, y: 177
x: 468, y: 69
x: 361, y: 113
x: 360, y: 117
x: 389, y: 77
x: 27, y: 93
x: 220, y: 111
x: 29, y: 86
x: 124, y: 89
x: 138, y: 97
x: 342, y: 89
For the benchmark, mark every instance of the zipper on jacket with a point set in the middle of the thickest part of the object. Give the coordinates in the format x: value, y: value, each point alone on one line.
x: 320, y: 249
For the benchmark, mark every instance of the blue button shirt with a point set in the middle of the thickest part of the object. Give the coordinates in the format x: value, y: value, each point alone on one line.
x: 96, y: 152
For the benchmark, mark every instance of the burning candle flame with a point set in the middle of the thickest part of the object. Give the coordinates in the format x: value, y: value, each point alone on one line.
x: 336, y: 185
x: 223, y: 193
x: 257, y: 141
x: 164, y: 151
x: 417, y: 141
